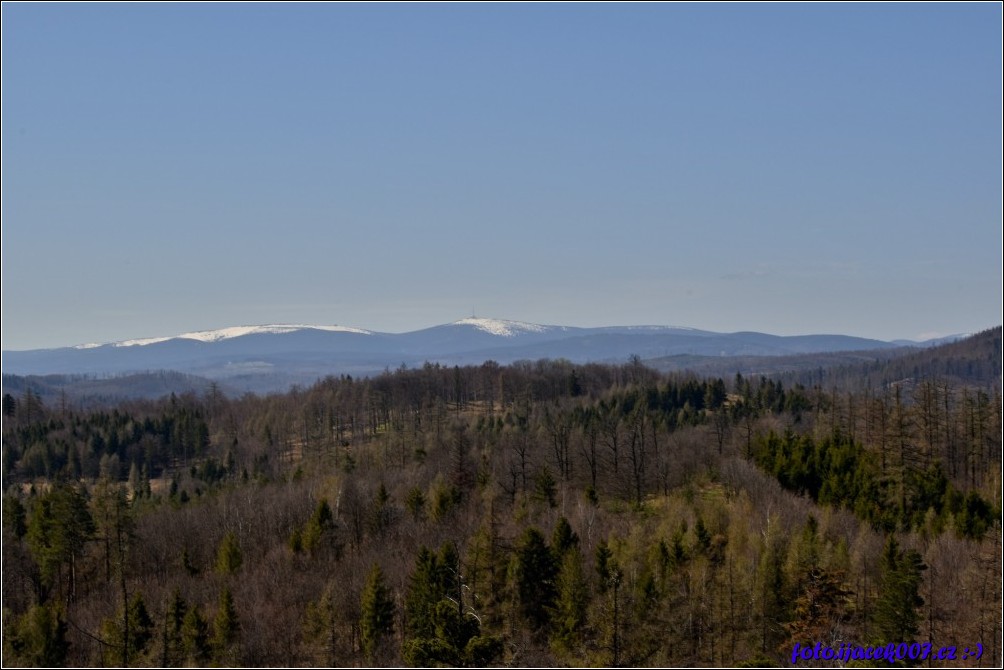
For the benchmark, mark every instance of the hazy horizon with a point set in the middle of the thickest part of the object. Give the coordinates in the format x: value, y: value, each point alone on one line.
x: 800, y: 169
x: 151, y: 336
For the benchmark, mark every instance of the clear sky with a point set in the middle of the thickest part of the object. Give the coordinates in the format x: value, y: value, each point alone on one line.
x: 787, y: 169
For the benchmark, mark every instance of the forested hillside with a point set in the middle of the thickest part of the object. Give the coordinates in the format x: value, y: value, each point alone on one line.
x: 530, y: 514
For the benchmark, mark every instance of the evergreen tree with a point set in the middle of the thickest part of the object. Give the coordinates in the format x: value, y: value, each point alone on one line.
x: 484, y: 569
x: 195, y: 637
x: 449, y: 571
x: 38, y: 639
x: 9, y: 406
x: 563, y: 538
x: 228, y: 557
x: 226, y: 630
x: 455, y: 641
x: 771, y: 607
x: 415, y: 503
x: 571, y: 601
x: 136, y: 642
x: 604, y: 559
x: 377, y: 612
x: 381, y: 513
x: 321, y: 624
x: 425, y: 590
x: 545, y: 487
x: 14, y: 516
x: 58, y: 532
x: 172, y: 649
x: 319, y: 530
x: 533, y: 572
x: 899, y: 596
x: 438, y: 631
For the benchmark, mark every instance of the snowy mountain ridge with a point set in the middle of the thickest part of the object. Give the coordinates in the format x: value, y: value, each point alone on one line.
x: 505, y: 328
x: 300, y: 353
x: 228, y: 333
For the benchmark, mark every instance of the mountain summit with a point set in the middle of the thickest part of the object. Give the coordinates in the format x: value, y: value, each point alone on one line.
x: 502, y: 327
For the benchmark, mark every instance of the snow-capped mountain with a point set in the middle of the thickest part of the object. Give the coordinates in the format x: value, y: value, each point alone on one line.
x: 504, y: 328
x: 308, y: 352
x: 230, y: 333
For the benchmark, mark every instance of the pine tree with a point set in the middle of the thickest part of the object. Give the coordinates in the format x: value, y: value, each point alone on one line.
x: 377, y: 612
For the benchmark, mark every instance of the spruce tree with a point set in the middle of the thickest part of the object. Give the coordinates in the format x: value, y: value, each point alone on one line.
x: 377, y: 606
x: 319, y: 530
x: 424, y: 591
x: 899, y: 597
x: 563, y: 538
x: 533, y: 571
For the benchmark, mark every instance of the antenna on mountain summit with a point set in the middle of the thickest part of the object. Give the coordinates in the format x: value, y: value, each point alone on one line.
x: 474, y: 313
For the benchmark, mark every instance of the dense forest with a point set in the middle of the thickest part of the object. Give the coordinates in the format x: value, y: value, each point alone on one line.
x: 539, y: 513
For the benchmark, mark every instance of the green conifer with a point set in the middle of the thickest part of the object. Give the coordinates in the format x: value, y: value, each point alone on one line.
x: 377, y: 607
x: 229, y: 558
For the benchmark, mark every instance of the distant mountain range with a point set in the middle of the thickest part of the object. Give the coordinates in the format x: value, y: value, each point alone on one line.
x: 274, y: 356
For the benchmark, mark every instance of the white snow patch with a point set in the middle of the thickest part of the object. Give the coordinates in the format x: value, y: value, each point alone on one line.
x: 501, y: 327
x: 240, y: 331
x: 89, y: 345
x: 142, y: 342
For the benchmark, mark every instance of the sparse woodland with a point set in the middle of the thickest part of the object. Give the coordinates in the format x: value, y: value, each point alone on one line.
x: 532, y: 514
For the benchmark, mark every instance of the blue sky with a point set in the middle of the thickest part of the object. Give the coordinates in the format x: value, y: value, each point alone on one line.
x: 788, y: 169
